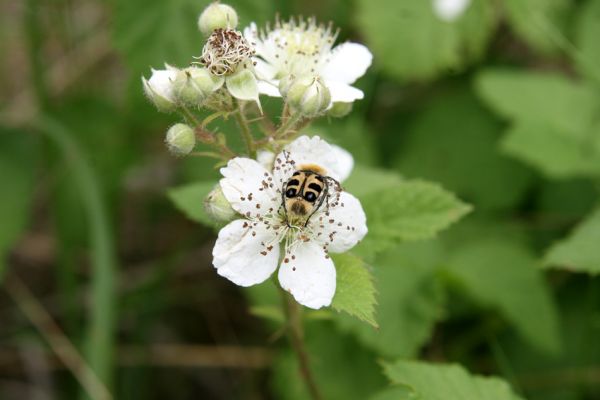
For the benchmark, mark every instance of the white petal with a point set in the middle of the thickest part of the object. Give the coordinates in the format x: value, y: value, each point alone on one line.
x: 309, y: 275
x: 241, y: 253
x: 341, y: 225
x: 270, y: 88
x: 249, y: 187
x: 265, y: 158
x: 264, y: 70
x: 161, y: 82
x: 309, y: 151
x: 450, y: 10
x: 345, y: 162
x: 343, y: 92
x: 348, y: 62
x: 251, y: 33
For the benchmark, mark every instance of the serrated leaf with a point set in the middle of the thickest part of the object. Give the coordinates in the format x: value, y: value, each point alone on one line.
x: 355, y: 291
x: 532, y: 19
x: 189, y: 199
x: 580, y: 251
x: 409, y: 210
x: 410, y: 300
x: 445, y: 382
x: 501, y: 274
x: 409, y: 41
x: 558, y: 154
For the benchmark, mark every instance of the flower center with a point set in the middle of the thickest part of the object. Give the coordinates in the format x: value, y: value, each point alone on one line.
x: 224, y: 51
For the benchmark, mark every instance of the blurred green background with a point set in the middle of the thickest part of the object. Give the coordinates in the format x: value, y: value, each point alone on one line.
x: 99, y: 268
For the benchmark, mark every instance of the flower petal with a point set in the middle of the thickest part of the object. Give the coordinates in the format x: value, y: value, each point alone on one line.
x: 264, y: 70
x: 340, y: 226
x: 270, y: 88
x: 343, y: 92
x: 345, y: 162
x: 306, y: 151
x: 243, y: 254
x: 249, y: 187
x: 450, y: 10
x: 309, y: 275
x: 348, y: 62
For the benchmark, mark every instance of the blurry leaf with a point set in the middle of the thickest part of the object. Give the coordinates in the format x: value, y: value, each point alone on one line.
x: 189, y: 199
x: 501, y: 274
x: 454, y: 142
x: 409, y: 298
x: 581, y: 250
x: 410, y: 210
x: 560, y: 103
x: 364, y: 180
x: 557, y: 154
x: 410, y: 42
x: 352, y: 133
x: 18, y: 159
x: 394, y: 393
x: 445, y: 382
x: 566, y: 199
x: 355, y: 291
x: 533, y: 19
x: 341, y: 367
x: 587, y: 27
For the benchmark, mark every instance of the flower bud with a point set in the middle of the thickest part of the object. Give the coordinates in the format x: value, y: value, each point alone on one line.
x: 217, y: 16
x: 309, y: 96
x: 193, y: 85
x: 339, y: 109
x: 217, y: 206
x: 285, y: 83
x: 159, y: 88
x: 180, y: 139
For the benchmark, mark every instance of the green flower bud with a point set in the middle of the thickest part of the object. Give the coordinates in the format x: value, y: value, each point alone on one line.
x: 193, y: 85
x: 308, y: 96
x: 217, y: 16
x: 339, y: 109
x: 285, y: 83
x: 217, y: 206
x: 180, y: 139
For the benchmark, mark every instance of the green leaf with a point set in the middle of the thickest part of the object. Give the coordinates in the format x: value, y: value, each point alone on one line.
x: 410, y: 210
x: 454, y: 141
x: 355, y: 291
x: 549, y: 98
x: 445, y: 382
x: 365, y: 180
x: 410, y: 42
x: 18, y: 155
x: 532, y: 20
x: 587, y: 32
x: 558, y: 154
x: 580, y: 251
x: 190, y: 200
x: 501, y: 274
x: 410, y: 300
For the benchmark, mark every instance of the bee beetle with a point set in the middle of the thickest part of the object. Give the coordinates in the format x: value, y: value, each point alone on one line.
x: 304, y: 193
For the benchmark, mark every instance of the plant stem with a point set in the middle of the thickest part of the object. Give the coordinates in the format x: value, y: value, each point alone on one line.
x: 240, y: 117
x: 287, y: 125
x: 294, y: 321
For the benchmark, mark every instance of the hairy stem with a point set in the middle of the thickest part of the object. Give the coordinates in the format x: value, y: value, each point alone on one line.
x: 288, y: 125
x: 294, y: 321
x: 240, y: 117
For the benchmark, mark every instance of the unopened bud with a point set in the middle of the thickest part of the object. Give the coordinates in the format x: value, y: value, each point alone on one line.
x: 217, y: 16
x: 285, y: 83
x: 159, y: 88
x: 193, y: 85
x: 217, y: 206
x: 180, y: 139
x: 309, y: 96
x: 339, y: 109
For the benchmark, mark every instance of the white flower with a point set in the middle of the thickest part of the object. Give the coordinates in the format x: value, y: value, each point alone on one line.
x: 159, y: 88
x: 248, y: 250
x: 306, y: 48
x: 450, y: 10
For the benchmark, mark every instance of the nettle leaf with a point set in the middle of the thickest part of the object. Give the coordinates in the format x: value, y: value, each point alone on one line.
x: 532, y: 19
x: 410, y: 210
x: 355, y: 291
x: 580, y: 251
x: 558, y: 154
x: 410, y: 42
x: 587, y: 28
x: 501, y: 274
x: 410, y: 300
x: 445, y: 382
x: 18, y: 157
x: 189, y: 199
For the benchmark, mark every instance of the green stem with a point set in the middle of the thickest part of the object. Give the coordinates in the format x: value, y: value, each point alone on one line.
x: 294, y: 323
x: 287, y: 125
x: 101, y: 335
x: 240, y: 117
x: 191, y: 118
